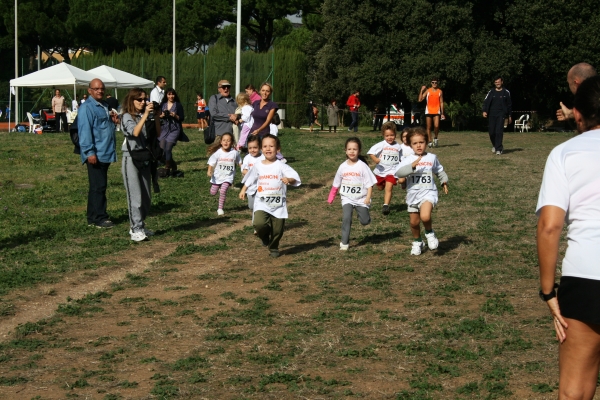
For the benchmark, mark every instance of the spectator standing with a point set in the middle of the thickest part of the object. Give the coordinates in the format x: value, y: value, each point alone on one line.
x: 171, y: 130
x: 158, y: 93
x: 59, y: 107
x: 98, y: 149
x: 75, y: 104
x: 569, y: 194
x: 83, y: 99
x: 7, y: 112
x: 496, y: 107
x: 251, y: 92
x: 201, y: 114
x: 353, y: 104
x: 332, y: 115
x: 577, y: 74
x: 264, y: 110
x: 113, y: 103
x: 222, y: 109
x: 378, y: 117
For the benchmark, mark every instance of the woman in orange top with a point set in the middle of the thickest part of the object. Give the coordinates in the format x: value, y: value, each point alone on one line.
x: 201, y: 114
x: 434, y: 109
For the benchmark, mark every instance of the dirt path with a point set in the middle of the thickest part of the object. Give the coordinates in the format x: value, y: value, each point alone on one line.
x: 41, y: 301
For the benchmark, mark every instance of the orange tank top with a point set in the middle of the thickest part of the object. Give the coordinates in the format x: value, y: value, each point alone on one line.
x: 433, y: 101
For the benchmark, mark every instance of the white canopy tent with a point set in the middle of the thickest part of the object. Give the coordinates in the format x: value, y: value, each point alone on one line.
x: 122, y: 79
x: 63, y: 76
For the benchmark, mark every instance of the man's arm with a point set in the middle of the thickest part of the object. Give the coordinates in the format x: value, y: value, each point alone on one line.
x: 486, y: 104
x: 564, y: 113
x: 86, y: 137
x: 508, y: 106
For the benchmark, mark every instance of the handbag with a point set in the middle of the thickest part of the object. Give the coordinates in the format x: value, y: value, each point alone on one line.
x: 210, y: 132
x: 141, y: 157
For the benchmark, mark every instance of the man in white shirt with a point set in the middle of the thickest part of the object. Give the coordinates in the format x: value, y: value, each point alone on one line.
x: 158, y: 92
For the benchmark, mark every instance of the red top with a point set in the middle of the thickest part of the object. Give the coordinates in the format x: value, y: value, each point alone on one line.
x: 353, y: 102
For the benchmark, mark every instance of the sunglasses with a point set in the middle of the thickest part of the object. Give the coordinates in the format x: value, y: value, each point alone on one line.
x: 225, y: 87
x: 141, y: 99
x: 434, y: 81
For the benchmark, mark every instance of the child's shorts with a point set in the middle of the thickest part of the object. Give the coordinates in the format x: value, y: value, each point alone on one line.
x: 415, y: 208
x: 381, y: 180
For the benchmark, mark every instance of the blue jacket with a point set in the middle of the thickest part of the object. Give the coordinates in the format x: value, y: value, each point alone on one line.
x: 96, y: 132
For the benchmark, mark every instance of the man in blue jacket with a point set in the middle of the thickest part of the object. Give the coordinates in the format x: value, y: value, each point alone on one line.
x: 496, y: 107
x: 98, y: 149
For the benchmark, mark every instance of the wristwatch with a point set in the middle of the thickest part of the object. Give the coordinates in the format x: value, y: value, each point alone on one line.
x: 550, y: 295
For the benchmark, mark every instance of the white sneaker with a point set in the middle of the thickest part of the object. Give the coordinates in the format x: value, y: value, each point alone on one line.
x: 435, y: 143
x: 220, y: 212
x: 432, y: 241
x: 498, y: 153
x: 493, y: 149
x: 417, y: 248
x: 148, y: 232
x: 429, y: 144
x: 138, y: 236
x: 344, y: 246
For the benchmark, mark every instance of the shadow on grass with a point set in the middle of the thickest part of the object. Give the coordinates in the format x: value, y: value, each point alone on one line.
x: 21, y: 239
x: 163, y: 208
x: 448, y: 145
x: 313, y: 186
x: 204, y: 223
x: 301, y: 248
x: 451, y: 243
x: 380, y: 237
x: 296, y: 224
x: 512, y: 150
x: 291, y: 160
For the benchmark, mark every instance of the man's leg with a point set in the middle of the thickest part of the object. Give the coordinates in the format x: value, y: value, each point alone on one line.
x: 355, y: 121
x: 98, y: 180
x: 492, y: 130
x: 499, y: 133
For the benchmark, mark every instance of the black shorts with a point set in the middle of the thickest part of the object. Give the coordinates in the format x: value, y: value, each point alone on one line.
x: 579, y: 298
x: 432, y: 115
x: 201, y: 115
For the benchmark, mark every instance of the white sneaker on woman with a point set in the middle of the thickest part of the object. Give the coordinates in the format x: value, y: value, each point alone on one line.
x: 138, y: 236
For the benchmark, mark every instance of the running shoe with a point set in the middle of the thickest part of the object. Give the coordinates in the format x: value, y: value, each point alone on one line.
x: 435, y: 143
x: 493, y: 149
x: 220, y: 212
x: 344, y: 246
x: 498, y: 153
x: 147, y: 232
x: 386, y: 209
x: 432, y: 241
x: 417, y: 248
x: 138, y: 236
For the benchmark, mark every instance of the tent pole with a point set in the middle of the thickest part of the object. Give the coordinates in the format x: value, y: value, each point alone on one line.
x: 9, y: 106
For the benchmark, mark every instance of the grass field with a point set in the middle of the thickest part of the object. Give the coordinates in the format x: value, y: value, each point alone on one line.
x: 201, y: 311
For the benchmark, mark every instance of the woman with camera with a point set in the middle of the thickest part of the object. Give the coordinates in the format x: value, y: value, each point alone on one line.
x: 136, y: 173
x: 171, y: 129
x: 570, y: 193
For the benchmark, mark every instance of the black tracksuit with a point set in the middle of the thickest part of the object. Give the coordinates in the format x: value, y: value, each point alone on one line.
x: 498, y: 106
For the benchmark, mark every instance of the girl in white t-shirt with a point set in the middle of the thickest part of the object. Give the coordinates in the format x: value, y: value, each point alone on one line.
x: 386, y: 155
x: 354, y: 180
x: 243, y: 101
x: 254, y: 156
x: 421, y: 194
x: 221, y: 167
x: 272, y: 178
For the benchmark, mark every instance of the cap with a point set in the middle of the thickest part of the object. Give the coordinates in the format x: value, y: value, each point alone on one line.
x: 224, y: 83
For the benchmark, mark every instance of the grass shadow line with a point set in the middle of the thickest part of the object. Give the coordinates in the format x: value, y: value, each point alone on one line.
x: 301, y: 248
x: 203, y: 223
x: 452, y: 243
x: 512, y: 150
x: 379, y: 238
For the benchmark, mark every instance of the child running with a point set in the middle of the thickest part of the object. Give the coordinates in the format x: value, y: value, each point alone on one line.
x: 355, y: 179
x: 243, y: 101
x: 422, y: 194
x: 272, y: 178
x: 252, y: 158
x: 386, y: 154
x: 221, y: 167
x: 406, y: 150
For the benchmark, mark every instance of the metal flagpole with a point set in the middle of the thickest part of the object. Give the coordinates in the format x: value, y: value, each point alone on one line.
x: 238, y: 47
x: 16, y: 62
x: 173, y: 44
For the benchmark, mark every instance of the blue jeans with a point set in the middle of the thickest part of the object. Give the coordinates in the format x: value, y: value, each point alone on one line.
x: 354, y: 123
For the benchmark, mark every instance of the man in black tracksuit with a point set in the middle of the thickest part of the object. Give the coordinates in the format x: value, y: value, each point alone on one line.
x: 496, y: 107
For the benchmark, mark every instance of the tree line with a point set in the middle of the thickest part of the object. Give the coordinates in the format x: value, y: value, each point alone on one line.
x: 386, y: 49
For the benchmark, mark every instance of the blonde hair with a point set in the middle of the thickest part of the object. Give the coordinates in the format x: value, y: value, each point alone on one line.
x: 217, y: 144
x: 269, y: 85
x: 242, y: 99
x: 388, y: 126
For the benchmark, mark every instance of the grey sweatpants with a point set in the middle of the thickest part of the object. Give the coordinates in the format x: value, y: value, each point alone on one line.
x: 363, y: 216
x: 137, y: 188
x: 251, y: 203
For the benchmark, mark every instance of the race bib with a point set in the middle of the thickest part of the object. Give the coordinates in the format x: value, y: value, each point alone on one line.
x: 273, y: 199
x: 225, y: 169
x: 389, y: 158
x: 352, y: 190
x: 421, y: 180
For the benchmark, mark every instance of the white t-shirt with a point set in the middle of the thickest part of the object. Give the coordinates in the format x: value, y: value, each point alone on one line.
x: 354, y: 182
x: 224, y: 163
x: 406, y: 150
x: 157, y: 94
x: 248, y: 163
x: 420, y: 184
x: 572, y: 183
x: 74, y: 105
x: 389, y: 154
x: 246, y: 117
x: 271, y: 191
